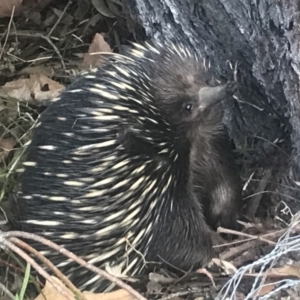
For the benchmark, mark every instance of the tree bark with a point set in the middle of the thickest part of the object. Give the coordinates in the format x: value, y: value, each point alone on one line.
x: 263, y: 38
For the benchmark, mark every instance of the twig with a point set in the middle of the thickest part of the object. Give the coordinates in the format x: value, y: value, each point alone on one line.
x: 10, y: 266
x: 273, y: 144
x: 42, y: 36
x: 233, y: 251
x: 6, y: 291
x: 255, y: 237
x: 47, y: 262
x: 31, y: 261
x: 5, y: 216
x: 59, y: 19
x: 274, y: 234
x: 8, y: 30
x: 254, y: 202
x: 239, y: 249
x: 178, y: 294
x: 75, y: 258
x: 233, y: 243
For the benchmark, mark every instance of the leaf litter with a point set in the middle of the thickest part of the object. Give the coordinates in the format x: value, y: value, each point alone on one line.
x: 44, y: 47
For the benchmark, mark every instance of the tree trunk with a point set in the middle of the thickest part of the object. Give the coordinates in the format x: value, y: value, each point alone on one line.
x: 262, y: 38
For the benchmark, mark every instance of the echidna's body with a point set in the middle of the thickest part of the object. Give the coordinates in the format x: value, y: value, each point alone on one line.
x: 216, y: 178
x: 108, y: 173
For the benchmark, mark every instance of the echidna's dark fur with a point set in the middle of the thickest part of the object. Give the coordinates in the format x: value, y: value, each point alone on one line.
x: 216, y: 180
x: 108, y: 173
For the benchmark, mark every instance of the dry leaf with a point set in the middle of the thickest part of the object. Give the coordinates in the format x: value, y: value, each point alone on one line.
x: 284, y: 272
x: 275, y: 273
x: 6, y: 6
x: 40, y: 69
x: 155, y: 277
x: 228, y: 267
x: 102, y: 8
x: 33, y: 89
x: 154, y: 287
x: 6, y: 145
x: 91, y: 59
x: 116, y: 295
x: 50, y: 293
x: 265, y: 289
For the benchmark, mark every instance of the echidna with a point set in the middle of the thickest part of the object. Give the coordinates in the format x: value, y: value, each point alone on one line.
x: 216, y: 179
x: 108, y: 172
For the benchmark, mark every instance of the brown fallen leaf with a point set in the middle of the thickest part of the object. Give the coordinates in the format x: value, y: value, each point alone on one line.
x: 264, y: 290
x: 154, y: 287
x: 94, y: 58
x: 6, y: 145
x: 228, y: 267
x: 33, y: 89
x: 155, y: 277
x: 6, y: 6
x: 285, y: 271
x: 50, y: 293
x: 39, y: 69
x: 116, y: 295
x: 272, y: 275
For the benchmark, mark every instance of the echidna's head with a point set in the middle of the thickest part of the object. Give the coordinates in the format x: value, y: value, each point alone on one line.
x: 184, y: 88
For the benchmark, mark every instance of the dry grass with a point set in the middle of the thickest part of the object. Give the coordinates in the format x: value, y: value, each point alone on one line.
x: 52, y: 43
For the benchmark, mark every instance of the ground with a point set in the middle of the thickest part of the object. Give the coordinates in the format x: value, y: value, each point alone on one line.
x: 43, y: 48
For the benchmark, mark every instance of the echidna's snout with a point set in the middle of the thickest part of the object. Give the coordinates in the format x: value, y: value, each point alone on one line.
x: 209, y: 96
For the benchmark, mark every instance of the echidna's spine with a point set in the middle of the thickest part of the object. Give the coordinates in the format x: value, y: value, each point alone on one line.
x: 107, y: 173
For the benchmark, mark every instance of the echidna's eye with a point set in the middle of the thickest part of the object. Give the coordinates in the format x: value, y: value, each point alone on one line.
x: 189, y: 107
